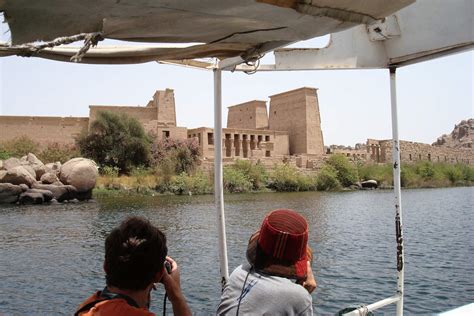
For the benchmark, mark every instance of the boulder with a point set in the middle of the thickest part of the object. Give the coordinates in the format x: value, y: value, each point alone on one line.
x: 37, y: 165
x: 19, y: 175
x: 33, y: 160
x: 84, y: 196
x: 39, y: 170
x: 9, y: 193
x: 30, y: 170
x: 53, y: 167
x: 369, y: 184
x: 2, y: 174
x: 79, y: 172
x: 11, y: 163
x: 24, y: 187
x: 60, y: 193
x: 32, y: 163
x: 31, y: 198
x: 49, y: 178
x: 47, y: 195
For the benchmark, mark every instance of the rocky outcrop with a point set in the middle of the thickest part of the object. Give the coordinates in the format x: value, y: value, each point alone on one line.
x: 31, y: 198
x: 36, y: 164
x: 369, y: 184
x: 9, y: 193
x: 60, y: 193
x: 50, y: 178
x: 11, y: 163
x: 18, y: 175
x: 18, y: 180
x: 462, y: 136
x: 79, y: 172
x: 53, y: 167
x: 47, y: 194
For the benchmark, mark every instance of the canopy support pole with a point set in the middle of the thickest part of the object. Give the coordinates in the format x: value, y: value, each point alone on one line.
x: 218, y: 181
x: 397, y: 190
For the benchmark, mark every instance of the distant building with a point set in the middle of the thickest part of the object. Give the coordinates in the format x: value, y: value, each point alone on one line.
x: 290, y: 132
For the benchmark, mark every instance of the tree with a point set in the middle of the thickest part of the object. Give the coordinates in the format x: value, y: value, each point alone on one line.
x: 180, y: 155
x: 116, y: 140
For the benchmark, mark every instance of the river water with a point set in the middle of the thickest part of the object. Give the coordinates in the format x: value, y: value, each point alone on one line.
x: 51, y: 255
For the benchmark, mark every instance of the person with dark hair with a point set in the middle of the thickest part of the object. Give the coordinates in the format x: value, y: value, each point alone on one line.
x: 278, y: 279
x: 135, y: 259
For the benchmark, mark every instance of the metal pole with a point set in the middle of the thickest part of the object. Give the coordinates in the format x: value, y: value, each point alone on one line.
x: 218, y: 182
x: 397, y: 190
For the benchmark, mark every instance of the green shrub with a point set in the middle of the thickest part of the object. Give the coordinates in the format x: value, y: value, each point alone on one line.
x: 383, y: 174
x: 18, y: 147
x: 4, y: 154
x: 409, y: 177
x: 116, y: 140
x: 57, y: 152
x: 284, y: 178
x: 108, y: 171
x: 346, y: 171
x: 198, y: 183
x: 327, y: 179
x: 235, y: 181
x: 256, y: 173
x: 453, y: 173
x: 306, y: 183
x: 467, y: 172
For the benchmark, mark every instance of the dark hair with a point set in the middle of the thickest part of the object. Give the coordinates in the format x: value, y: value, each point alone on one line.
x: 134, y: 252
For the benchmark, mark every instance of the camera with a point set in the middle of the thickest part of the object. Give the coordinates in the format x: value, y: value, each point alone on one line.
x: 168, y: 266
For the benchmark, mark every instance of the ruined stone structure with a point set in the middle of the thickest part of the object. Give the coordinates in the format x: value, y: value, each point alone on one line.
x: 380, y: 151
x: 410, y: 152
x: 157, y: 117
x: 290, y: 132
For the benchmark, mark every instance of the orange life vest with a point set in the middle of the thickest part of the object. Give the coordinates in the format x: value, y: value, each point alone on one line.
x: 111, y: 304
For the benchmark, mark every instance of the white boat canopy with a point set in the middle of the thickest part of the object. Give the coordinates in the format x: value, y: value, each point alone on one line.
x: 221, y: 28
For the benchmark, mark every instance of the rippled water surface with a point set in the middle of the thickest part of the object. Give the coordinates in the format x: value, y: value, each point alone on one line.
x: 51, y: 255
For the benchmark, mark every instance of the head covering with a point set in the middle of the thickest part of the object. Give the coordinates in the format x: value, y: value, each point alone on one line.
x: 280, y: 246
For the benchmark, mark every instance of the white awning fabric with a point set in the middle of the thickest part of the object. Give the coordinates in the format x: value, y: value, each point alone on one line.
x: 226, y: 28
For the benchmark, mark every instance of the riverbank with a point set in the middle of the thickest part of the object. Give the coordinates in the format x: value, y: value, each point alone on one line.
x: 242, y: 177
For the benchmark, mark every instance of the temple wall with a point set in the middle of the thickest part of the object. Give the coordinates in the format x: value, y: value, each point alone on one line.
x: 411, y: 152
x: 380, y: 151
x: 165, y: 104
x: 43, y: 129
x: 143, y: 114
x: 297, y: 112
x: 249, y: 115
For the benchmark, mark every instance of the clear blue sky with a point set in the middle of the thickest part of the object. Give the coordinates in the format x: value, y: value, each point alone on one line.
x: 354, y: 105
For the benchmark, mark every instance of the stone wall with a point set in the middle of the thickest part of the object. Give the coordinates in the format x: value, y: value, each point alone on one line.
x: 164, y: 102
x: 43, y: 129
x: 144, y: 114
x: 411, y: 152
x: 248, y: 115
x: 380, y: 151
x: 297, y: 112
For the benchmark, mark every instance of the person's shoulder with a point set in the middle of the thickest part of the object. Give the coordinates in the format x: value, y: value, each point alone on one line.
x: 116, y: 307
x: 290, y: 288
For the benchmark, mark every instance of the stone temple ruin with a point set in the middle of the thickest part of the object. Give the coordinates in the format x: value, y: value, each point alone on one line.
x: 290, y: 132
